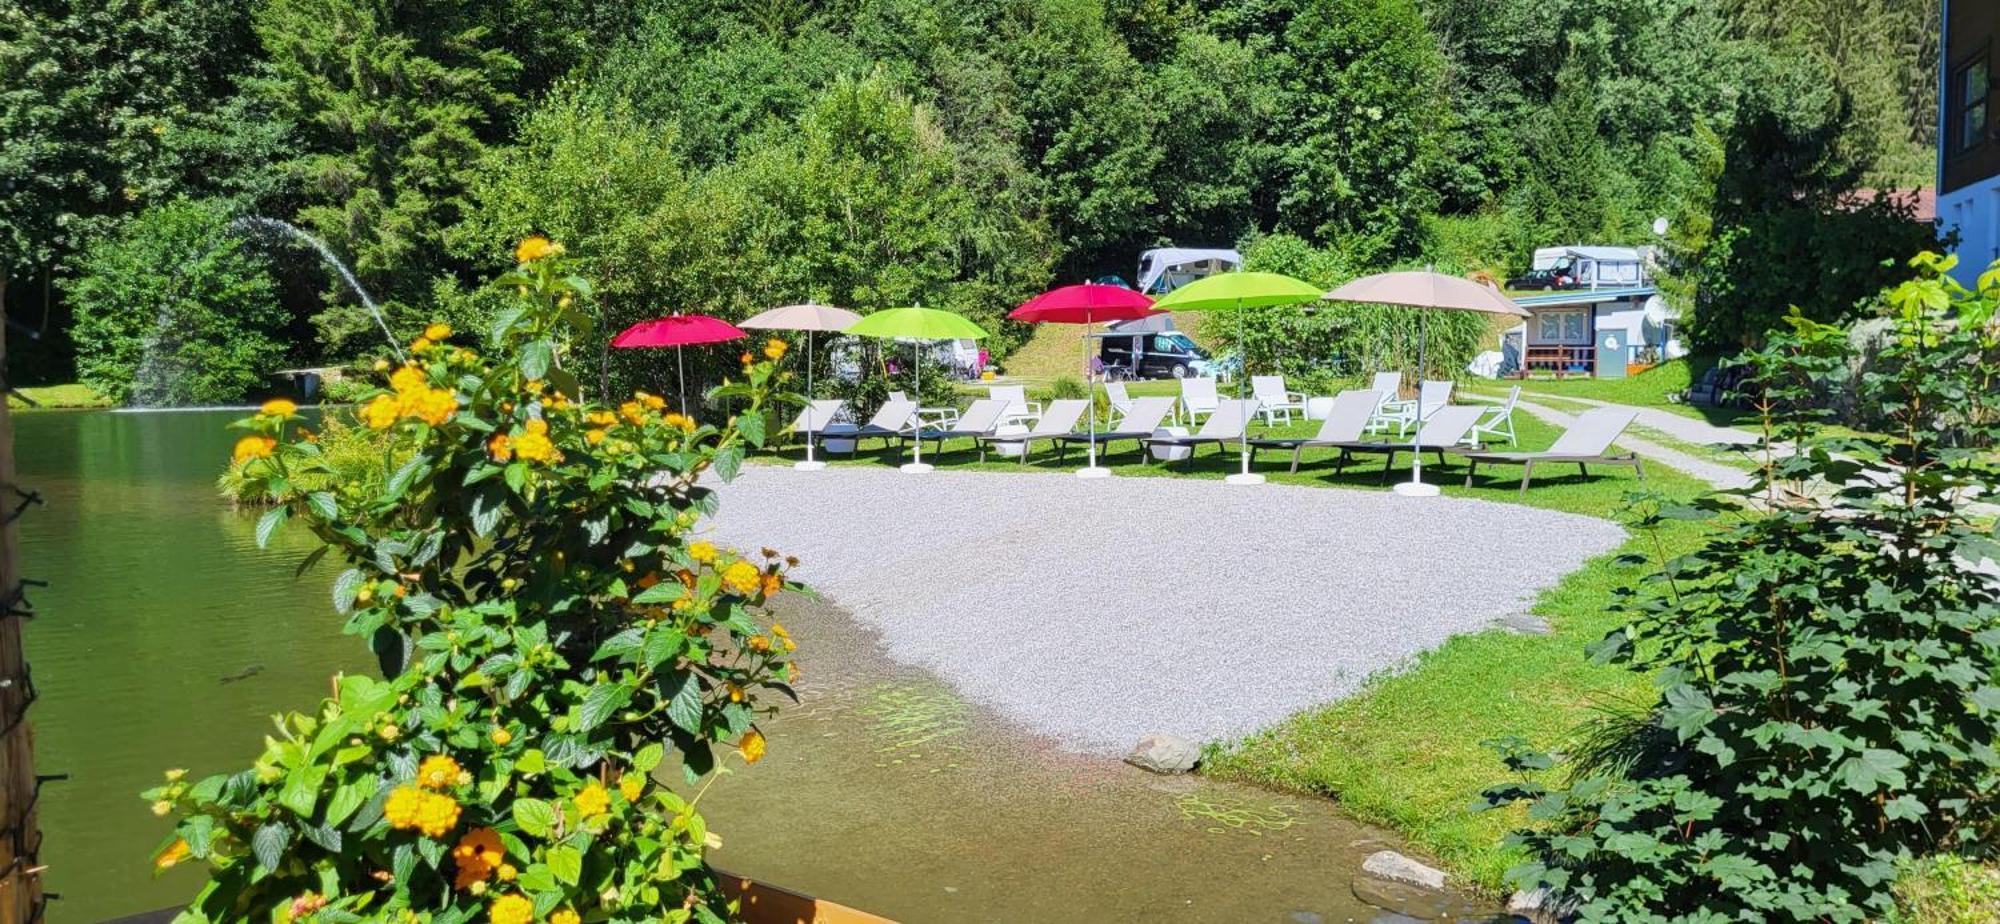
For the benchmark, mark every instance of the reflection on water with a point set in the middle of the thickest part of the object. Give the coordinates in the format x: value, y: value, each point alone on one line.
x: 167, y: 639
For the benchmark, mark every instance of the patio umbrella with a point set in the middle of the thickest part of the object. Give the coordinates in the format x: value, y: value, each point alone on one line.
x: 1235, y: 291
x: 1424, y: 290
x: 918, y: 324
x: 1085, y: 304
x: 677, y: 331
x: 808, y: 317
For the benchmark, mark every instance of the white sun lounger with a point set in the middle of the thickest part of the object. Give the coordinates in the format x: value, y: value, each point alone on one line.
x: 1223, y: 427
x: 896, y: 419
x: 1019, y: 409
x: 1140, y: 419
x: 1198, y: 399
x: 1056, y: 422
x: 1403, y: 414
x: 1346, y: 424
x: 1273, y: 400
x: 1586, y: 442
x: 1498, y: 421
x: 981, y: 419
x: 816, y: 415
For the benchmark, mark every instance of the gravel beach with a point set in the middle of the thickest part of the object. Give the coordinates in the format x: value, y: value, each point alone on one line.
x: 1098, y: 611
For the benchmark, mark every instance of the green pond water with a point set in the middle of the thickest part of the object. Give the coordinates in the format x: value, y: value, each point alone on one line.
x: 166, y: 639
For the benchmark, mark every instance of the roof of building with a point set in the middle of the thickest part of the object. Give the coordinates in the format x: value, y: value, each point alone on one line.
x: 1584, y: 297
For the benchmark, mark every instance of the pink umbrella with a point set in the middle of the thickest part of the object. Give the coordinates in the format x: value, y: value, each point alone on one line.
x: 1087, y: 303
x: 677, y: 331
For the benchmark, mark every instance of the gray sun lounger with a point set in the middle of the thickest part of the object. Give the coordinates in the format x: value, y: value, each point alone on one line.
x: 815, y: 416
x: 1346, y: 424
x: 1138, y: 422
x: 1056, y: 422
x: 1444, y: 430
x: 1587, y: 442
x: 978, y: 420
x: 1224, y: 426
x: 895, y: 420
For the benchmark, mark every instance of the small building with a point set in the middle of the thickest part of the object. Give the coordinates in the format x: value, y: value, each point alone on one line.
x: 1605, y: 319
x: 1968, y: 157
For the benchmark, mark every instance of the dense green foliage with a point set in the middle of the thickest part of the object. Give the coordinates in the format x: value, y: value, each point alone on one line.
x: 1324, y: 343
x: 549, y: 633
x: 172, y: 309
x: 1020, y: 144
x: 1827, y: 665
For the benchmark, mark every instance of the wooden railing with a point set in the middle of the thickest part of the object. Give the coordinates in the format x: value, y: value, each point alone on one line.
x: 1560, y: 359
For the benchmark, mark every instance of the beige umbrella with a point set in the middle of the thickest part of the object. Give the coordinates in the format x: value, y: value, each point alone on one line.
x: 808, y: 317
x: 1427, y: 290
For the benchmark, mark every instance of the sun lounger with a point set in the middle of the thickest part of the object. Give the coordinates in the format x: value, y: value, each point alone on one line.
x: 1019, y: 409
x: 1120, y: 399
x: 1346, y: 424
x: 981, y: 419
x: 1498, y: 421
x: 1139, y: 421
x: 815, y: 416
x: 1198, y: 399
x: 1587, y: 442
x: 1223, y: 427
x: 1274, y: 401
x: 1403, y: 414
x: 1056, y: 422
x: 896, y: 419
x: 1446, y: 429
x: 1389, y: 385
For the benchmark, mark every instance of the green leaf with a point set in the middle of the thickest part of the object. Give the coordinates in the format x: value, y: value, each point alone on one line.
x: 269, y: 844
x: 301, y: 790
x: 684, y: 704
x: 751, y: 425
x: 323, y: 505
x: 534, y: 816
x: 663, y: 592
x: 566, y: 863
x: 602, y: 700
x: 532, y: 761
x: 344, y: 588
x: 728, y: 462
x: 406, y: 475
x: 1872, y: 769
x: 347, y: 797
x: 536, y: 356
x: 269, y: 523
x: 649, y: 757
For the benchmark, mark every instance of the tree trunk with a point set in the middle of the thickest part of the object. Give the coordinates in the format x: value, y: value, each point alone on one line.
x: 20, y: 837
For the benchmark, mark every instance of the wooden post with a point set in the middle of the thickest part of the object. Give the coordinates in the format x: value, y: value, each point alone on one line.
x: 20, y: 837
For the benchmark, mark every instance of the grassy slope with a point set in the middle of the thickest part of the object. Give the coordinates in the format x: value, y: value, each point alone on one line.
x: 59, y: 396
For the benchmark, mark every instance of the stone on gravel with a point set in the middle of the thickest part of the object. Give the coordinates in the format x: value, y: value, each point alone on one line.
x: 1095, y: 611
x: 1395, y: 867
x: 1164, y: 754
x: 1524, y: 624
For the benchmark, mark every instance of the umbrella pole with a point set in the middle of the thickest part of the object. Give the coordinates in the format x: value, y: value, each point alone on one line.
x: 1416, y: 487
x: 917, y: 464
x: 1242, y: 378
x: 1091, y: 470
x: 813, y: 422
x: 680, y: 377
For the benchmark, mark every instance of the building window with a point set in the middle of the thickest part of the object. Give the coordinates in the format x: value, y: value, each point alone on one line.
x: 1971, y: 88
x: 1565, y: 326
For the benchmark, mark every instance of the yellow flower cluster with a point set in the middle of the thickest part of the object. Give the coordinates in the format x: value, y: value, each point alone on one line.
x: 413, y: 397
x: 440, y: 771
x: 281, y: 408
x: 593, y: 800
x: 410, y: 807
x: 632, y: 785
x: 743, y: 578
x: 751, y: 746
x: 774, y: 349
x: 253, y: 447
x: 536, y: 247
x: 480, y: 855
x: 702, y: 551
x: 436, y: 332
x: 534, y: 445
x: 565, y: 916
x: 511, y: 909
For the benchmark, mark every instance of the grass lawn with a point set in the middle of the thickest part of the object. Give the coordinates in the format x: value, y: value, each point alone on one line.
x: 1654, y: 387
x: 57, y: 396
x: 1405, y: 751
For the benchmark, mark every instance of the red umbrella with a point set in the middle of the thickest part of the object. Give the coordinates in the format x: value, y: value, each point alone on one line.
x: 678, y: 330
x: 1087, y: 303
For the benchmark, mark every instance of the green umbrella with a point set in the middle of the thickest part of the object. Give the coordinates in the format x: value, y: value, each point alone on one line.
x: 916, y: 324
x: 1236, y: 291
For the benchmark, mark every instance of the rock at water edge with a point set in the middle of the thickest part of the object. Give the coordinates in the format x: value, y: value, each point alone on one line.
x: 1164, y: 754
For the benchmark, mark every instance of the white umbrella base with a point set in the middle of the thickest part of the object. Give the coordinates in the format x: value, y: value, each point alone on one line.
x: 808, y: 465
x: 1417, y: 489
x: 1244, y: 478
x: 1093, y: 472
x: 918, y: 468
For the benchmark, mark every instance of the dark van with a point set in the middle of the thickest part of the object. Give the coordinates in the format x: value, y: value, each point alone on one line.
x: 1151, y: 356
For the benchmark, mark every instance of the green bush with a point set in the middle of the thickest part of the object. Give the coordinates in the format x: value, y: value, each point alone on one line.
x: 170, y: 310
x: 358, y: 462
x: 549, y: 634
x: 1828, y: 666
x: 1067, y: 386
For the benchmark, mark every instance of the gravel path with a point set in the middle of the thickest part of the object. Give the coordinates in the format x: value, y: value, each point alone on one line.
x: 1667, y: 422
x: 1098, y: 611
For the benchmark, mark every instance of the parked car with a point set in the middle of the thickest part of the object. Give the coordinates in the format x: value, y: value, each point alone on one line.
x: 1562, y: 275
x: 1151, y: 356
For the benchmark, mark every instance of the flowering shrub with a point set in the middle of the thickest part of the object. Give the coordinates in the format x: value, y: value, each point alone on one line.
x: 547, y: 632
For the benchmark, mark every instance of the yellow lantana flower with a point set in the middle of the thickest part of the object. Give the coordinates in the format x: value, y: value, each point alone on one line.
x: 593, y: 800
x: 536, y: 247
x: 279, y: 407
x: 403, y: 807
x: 565, y: 916
x: 511, y: 909
x: 593, y: 437
x: 436, y: 407
x: 500, y: 447
x: 175, y: 852
x: 380, y: 413
x: 438, y: 771
x: 253, y: 447
x: 751, y: 746
x: 702, y: 551
x: 408, y: 380
x: 632, y: 786
x: 742, y: 577
x: 501, y: 736
x: 774, y: 349
x: 438, y: 330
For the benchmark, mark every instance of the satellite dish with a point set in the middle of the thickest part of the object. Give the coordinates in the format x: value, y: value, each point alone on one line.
x: 1660, y: 226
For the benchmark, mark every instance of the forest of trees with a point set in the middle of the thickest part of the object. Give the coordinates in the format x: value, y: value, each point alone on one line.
x: 705, y: 155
